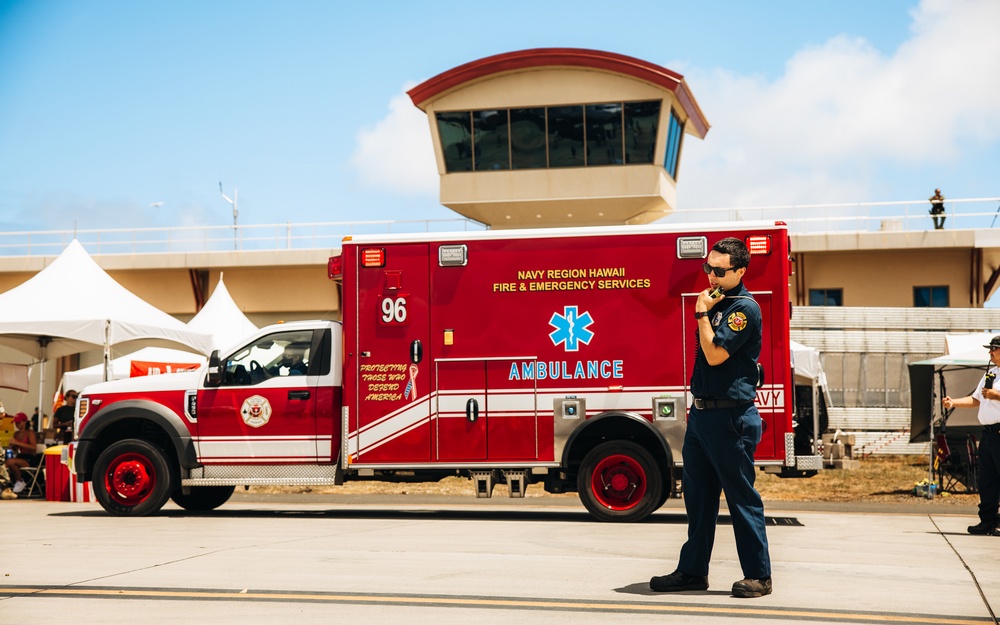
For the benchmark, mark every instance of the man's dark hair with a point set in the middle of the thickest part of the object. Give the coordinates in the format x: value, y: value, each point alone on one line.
x: 739, y: 255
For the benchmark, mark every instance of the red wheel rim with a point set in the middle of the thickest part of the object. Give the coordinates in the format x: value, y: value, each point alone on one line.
x: 618, y: 482
x: 130, y: 479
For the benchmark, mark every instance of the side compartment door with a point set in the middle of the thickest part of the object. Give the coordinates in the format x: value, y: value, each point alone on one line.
x: 265, y: 410
x: 461, y: 409
x: 393, y: 373
x: 483, y: 415
x: 513, y: 429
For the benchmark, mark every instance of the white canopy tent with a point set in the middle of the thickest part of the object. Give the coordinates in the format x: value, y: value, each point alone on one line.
x: 808, y: 370
x: 73, y: 305
x: 121, y: 367
x: 956, y: 375
x: 967, y: 343
x: 220, y: 317
x: 807, y: 365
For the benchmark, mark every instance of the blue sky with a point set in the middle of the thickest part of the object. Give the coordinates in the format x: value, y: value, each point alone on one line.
x: 110, y: 107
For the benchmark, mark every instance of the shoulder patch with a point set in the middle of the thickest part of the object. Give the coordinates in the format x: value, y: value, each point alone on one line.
x: 737, y: 321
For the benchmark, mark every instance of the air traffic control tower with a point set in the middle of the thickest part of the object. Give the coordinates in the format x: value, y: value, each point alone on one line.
x: 559, y: 136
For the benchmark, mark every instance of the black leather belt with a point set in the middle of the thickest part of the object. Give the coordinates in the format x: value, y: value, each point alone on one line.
x: 993, y: 428
x: 712, y: 404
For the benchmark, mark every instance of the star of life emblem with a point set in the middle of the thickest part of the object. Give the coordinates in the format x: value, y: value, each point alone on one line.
x: 256, y: 411
x: 571, y: 328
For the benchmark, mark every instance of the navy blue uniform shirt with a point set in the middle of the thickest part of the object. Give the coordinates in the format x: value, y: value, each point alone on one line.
x: 738, y: 326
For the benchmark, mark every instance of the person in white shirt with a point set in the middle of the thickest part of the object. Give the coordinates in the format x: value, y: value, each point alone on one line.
x: 987, y: 399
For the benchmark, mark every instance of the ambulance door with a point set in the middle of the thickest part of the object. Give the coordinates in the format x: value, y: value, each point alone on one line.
x: 264, y: 411
x: 512, y: 413
x: 460, y: 406
x: 394, y: 377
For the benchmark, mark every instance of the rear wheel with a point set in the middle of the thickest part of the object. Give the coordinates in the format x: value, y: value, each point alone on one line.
x: 620, y: 481
x: 132, y: 478
x: 203, y: 498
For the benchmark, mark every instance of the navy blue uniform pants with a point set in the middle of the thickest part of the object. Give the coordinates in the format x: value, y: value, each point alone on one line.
x: 718, y: 457
x: 988, y: 475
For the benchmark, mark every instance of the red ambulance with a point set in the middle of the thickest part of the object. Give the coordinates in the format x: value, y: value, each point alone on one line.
x: 558, y: 357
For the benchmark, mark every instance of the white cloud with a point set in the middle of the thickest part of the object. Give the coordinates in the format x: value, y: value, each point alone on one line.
x: 826, y: 130
x: 820, y: 131
x: 396, y: 153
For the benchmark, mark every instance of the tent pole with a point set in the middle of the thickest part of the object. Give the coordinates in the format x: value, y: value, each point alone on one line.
x: 43, y: 343
x: 817, y: 435
x: 930, y: 463
x: 107, y: 349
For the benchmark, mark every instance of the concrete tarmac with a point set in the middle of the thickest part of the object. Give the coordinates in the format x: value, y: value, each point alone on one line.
x: 387, y: 559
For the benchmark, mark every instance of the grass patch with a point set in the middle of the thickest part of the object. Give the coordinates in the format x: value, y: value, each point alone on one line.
x: 879, y: 479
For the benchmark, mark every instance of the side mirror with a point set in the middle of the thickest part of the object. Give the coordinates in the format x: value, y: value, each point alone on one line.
x: 214, y: 377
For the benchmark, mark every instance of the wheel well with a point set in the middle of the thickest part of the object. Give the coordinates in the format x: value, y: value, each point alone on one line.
x: 133, y: 427
x: 617, y: 426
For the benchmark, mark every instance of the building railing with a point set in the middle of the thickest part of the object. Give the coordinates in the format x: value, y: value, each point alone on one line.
x: 962, y: 214
x: 264, y: 237
x: 911, y: 215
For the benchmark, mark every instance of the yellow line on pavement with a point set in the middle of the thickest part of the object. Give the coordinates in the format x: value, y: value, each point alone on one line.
x: 492, y: 602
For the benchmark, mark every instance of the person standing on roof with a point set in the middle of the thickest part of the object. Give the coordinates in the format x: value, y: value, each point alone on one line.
x: 937, y: 209
x: 987, y: 399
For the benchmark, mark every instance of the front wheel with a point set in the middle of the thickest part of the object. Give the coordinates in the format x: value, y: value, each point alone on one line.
x: 620, y: 481
x: 132, y: 478
x: 203, y: 498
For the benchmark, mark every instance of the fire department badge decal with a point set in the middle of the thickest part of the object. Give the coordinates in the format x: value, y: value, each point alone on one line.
x: 256, y: 411
x: 737, y: 321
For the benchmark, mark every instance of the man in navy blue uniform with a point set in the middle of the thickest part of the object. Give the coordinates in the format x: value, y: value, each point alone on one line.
x: 723, y: 430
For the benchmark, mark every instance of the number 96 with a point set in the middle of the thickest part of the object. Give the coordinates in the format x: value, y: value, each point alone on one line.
x: 394, y: 310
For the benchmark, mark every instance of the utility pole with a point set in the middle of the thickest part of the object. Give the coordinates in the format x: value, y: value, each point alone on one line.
x: 236, y: 210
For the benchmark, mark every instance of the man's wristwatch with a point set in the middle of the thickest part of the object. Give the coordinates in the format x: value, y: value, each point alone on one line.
x: 699, y: 315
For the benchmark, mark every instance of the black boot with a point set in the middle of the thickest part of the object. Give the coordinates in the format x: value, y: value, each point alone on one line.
x: 984, y: 528
x: 677, y: 581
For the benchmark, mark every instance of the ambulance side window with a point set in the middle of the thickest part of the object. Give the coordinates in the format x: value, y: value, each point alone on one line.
x: 279, y: 354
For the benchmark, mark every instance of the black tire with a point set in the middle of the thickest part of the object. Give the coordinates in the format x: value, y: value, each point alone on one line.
x: 202, y: 498
x: 619, y: 481
x: 132, y: 478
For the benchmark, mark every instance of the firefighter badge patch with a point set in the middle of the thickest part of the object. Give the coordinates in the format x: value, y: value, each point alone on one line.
x: 737, y: 321
x: 256, y: 411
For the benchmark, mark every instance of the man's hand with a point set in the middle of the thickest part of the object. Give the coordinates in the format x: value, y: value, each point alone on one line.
x: 706, y: 301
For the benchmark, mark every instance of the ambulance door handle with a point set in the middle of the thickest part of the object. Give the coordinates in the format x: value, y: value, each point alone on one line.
x: 298, y: 394
x: 472, y: 410
x: 416, y: 352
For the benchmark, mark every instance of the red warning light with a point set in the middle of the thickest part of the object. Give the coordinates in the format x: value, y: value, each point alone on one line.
x: 759, y: 244
x: 373, y: 257
x: 335, y: 267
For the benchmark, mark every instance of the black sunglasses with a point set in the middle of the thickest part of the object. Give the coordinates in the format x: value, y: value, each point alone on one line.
x: 719, y: 271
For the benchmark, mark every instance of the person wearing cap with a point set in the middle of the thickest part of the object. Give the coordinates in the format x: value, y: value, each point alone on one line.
x: 987, y: 399
x: 24, y: 444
